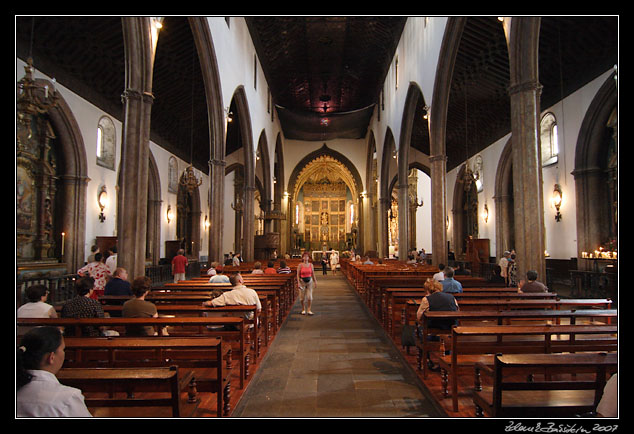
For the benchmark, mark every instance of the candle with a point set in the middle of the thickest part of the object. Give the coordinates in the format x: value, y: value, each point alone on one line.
x: 63, y: 234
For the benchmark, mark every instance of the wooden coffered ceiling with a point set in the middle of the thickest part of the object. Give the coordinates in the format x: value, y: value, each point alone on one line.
x: 316, y: 68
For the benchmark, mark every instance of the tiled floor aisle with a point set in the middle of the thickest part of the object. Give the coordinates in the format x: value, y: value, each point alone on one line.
x: 336, y: 363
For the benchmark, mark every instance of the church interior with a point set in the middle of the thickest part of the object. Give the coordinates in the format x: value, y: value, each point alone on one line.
x: 384, y: 148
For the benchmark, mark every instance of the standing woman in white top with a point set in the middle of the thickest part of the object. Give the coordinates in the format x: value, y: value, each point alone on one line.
x: 39, y: 358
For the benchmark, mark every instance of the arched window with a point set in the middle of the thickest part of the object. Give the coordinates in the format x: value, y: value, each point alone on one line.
x: 106, y: 143
x: 549, y: 139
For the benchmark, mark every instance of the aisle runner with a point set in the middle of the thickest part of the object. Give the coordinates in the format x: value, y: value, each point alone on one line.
x: 336, y: 363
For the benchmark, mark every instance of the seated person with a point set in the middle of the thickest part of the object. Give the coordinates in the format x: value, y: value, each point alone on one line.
x: 461, y: 271
x: 531, y: 284
x: 437, y: 301
x: 257, y: 268
x: 368, y: 261
x: 441, y: 273
x: 36, y: 306
x: 219, y: 277
x: 608, y: 406
x: 39, y: 358
x: 449, y: 284
x: 270, y: 268
x: 284, y: 269
x: 212, y: 269
x: 239, y: 295
x: 496, y: 276
x: 118, y: 285
x: 83, y: 306
x: 138, y: 307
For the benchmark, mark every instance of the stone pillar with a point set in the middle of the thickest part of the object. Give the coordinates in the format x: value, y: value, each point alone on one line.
x: 403, y: 220
x: 216, y: 208
x: 527, y: 178
x: 134, y: 181
x: 384, y: 205
x: 248, y: 225
x: 438, y: 209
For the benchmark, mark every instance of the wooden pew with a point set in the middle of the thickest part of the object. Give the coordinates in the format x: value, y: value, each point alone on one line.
x: 477, y: 344
x: 130, y: 381
x: 203, y: 355
x: 395, y: 300
x: 508, y: 317
x: 509, y: 397
x: 182, y: 327
x: 259, y: 322
x: 284, y: 288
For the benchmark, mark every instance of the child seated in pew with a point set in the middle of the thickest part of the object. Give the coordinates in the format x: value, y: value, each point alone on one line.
x: 39, y: 358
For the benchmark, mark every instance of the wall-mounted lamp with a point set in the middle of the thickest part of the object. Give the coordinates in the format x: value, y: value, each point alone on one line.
x: 102, y: 201
x: 557, y: 198
x: 207, y: 223
x: 228, y: 115
x: 426, y: 114
x: 169, y: 214
x: 485, y: 213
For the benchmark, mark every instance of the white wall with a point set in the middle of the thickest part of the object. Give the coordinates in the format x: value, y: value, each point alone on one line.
x: 561, y: 237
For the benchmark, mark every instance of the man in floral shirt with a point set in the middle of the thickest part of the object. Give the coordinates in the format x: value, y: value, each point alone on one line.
x: 98, y: 271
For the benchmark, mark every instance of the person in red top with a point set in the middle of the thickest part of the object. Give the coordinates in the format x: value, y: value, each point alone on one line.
x: 306, y: 282
x: 179, y: 264
x: 270, y: 269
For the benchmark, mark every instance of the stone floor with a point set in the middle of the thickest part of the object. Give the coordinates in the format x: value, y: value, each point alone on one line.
x: 335, y: 363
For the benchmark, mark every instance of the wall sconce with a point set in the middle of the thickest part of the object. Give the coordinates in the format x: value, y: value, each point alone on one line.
x: 485, y: 213
x: 102, y: 201
x: 207, y: 223
x: 169, y: 214
x: 557, y: 199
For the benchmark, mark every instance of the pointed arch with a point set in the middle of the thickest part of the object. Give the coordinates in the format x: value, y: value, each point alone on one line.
x: 216, y: 120
x: 503, y: 198
x: 74, y: 181
x: 590, y: 167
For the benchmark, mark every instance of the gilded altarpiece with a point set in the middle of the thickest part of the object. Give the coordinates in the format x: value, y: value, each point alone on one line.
x: 36, y: 175
x: 325, y: 214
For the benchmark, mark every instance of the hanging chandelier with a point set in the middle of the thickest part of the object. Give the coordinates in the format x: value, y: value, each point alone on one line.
x: 189, y: 179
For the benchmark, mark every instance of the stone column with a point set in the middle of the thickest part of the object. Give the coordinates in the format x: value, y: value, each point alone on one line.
x: 438, y: 209
x: 527, y: 178
x: 384, y: 204
x: 134, y: 181
x: 216, y: 208
x: 403, y: 220
x: 248, y: 225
